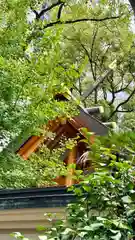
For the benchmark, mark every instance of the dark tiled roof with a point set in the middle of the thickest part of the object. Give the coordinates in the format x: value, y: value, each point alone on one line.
x: 93, y: 124
x: 50, y: 197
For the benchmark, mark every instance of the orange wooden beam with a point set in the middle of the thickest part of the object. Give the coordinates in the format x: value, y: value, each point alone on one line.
x: 30, y: 147
x: 71, y: 160
x: 34, y: 142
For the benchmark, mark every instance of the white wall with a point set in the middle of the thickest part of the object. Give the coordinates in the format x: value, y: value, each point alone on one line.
x: 26, y: 221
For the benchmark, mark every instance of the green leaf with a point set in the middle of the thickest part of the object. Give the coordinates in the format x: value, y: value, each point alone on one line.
x: 67, y: 231
x: 40, y: 228
x: 86, y: 188
x: 42, y: 237
x: 93, y: 226
x: 78, y: 191
x: 17, y: 235
x: 114, y: 231
x: 113, y: 64
x: 126, y: 199
x: 82, y: 234
x: 87, y: 228
x: 117, y: 236
x: 130, y: 212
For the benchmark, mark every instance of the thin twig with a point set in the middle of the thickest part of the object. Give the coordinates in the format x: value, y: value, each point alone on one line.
x: 121, y: 104
x: 43, y: 11
x: 60, y: 11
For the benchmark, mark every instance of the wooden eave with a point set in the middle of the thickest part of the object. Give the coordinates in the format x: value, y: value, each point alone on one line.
x: 83, y: 120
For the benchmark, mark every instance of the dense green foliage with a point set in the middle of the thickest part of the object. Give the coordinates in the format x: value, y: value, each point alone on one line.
x: 94, y: 47
x: 37, y: 172
x: 104, y: 207
x: 49, y: 47
x: 37, y: 59
x: 121, y: 144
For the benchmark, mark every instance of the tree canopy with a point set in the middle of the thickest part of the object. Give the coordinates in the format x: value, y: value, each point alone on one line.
x: 49, y: 46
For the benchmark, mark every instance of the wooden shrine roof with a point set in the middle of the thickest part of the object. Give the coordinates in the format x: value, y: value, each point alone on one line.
x: 83, y: 120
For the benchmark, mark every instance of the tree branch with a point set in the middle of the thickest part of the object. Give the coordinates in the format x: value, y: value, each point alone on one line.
x: 112, y: 91
x: 101, y: 80
x: 113, y: 98
x: 92, y: 67
x: 36, y: 13
x: 90, y: 60
x: 60, y: 11
x: 124, y: 88
x: 91, y: 53
x: 104, y: 55
x: 91, y: 64
x: 122, y: 103
x: 125, y: 111
x: 58, y: 22
x: 43, y: 11
x: 74, y: 87
x: 104, y: 93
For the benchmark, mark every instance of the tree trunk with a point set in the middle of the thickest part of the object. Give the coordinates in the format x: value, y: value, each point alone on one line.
x: 132, y: 2
x: 96, y: 96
